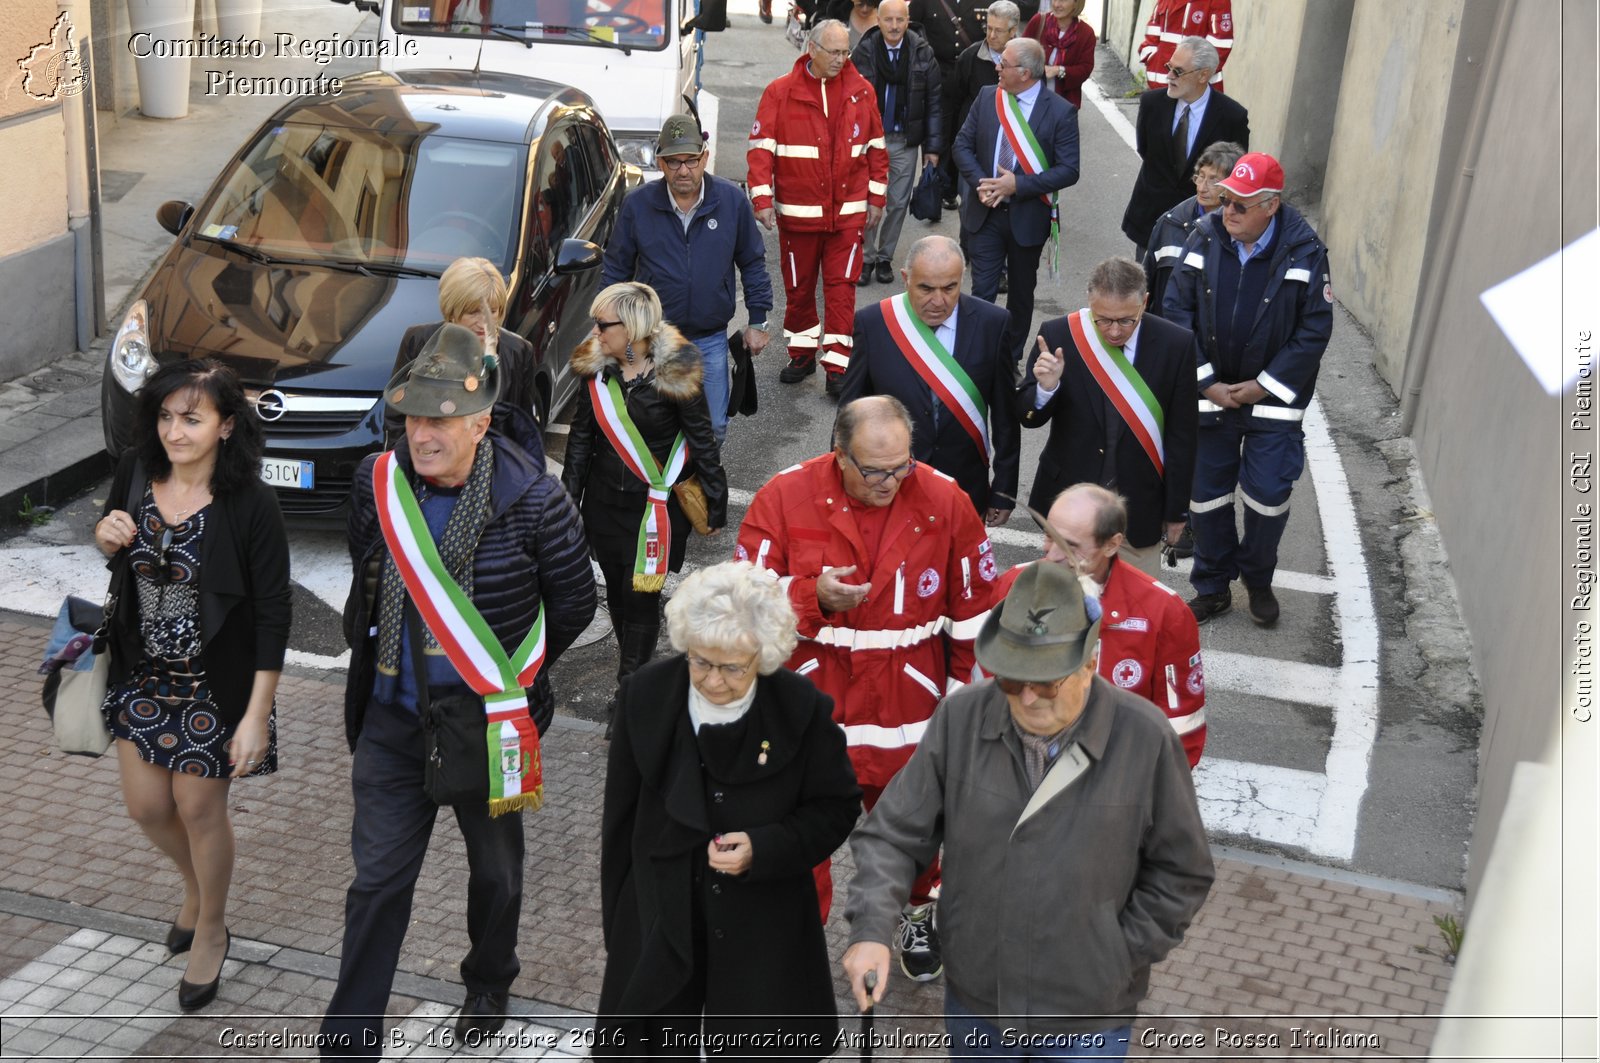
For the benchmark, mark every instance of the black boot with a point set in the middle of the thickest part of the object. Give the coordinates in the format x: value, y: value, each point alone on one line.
x: 636, y: 644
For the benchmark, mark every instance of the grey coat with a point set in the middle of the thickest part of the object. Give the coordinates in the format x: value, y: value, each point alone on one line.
x: 1050, y: 928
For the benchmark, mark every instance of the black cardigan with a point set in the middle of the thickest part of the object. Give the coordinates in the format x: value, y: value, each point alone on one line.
x: 244, y: 593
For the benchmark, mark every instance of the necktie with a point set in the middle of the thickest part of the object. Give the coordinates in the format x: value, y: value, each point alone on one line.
x: 1180, y: 137
x: 1005, y: 158
x: 889, y: 122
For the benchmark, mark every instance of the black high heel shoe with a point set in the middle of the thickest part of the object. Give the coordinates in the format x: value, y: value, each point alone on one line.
x: 192, y: 996
x: 179, y: 939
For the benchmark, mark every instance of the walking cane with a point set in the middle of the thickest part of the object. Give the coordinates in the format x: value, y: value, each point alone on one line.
x: 871, y: 982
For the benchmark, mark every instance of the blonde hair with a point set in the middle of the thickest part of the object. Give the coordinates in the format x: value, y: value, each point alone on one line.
x: 636, y: 305
x: 466, y: 284
x: 735, y: 607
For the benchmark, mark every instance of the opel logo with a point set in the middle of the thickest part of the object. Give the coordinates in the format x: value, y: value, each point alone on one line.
x: 271, y: 405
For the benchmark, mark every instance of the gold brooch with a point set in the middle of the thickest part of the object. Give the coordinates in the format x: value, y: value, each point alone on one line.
x: 762, y: 757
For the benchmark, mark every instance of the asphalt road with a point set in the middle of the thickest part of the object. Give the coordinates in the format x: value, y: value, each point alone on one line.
x: 1347, y: 735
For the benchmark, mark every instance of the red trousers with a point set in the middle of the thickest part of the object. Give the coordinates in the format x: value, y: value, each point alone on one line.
x: 921, y: 889
x: 838, y: 256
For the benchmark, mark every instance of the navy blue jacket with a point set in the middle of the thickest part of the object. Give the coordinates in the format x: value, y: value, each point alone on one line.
x: 1293, y: 322
x: 1054, y: 122
x: 878, y: 368
x: 692, y: 272
x: 532, y: 549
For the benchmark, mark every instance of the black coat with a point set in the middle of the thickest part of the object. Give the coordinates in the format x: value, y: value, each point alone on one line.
x: 878, y: 368
x: 516, y: 409
x: 667, y: 793
x: 1085, y: 424
x: 1165, y: 180
x: 924, y: 125
x: 531, y: 552
x: 244, y: 593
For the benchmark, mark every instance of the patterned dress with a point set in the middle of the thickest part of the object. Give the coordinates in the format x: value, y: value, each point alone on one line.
x: 164, y: 708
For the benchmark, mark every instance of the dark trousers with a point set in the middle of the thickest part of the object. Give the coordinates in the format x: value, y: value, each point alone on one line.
x: 389, y: 834
x: 994, y: 250
x: 1262, y: 458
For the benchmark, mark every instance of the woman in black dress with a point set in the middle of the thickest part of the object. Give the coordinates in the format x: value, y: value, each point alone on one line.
x: 635, y: 355
x: 200, y: 572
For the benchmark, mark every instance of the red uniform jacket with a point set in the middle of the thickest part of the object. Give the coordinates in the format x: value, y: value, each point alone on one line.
x: 887, y: 662
x: 819, y: 159
x: 1171, y: 22
x: 1149, y: 644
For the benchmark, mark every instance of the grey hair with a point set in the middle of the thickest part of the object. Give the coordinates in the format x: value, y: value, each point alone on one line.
x: 734, y: 607
x: 1119, y: 278
x: 1220, y: 156
x: 636, y: 305
x: 1006, y: 10
x: 815, y: 36
x: 1202, y: 53
x: 873, y: 409
x: 934, y: 246
x: 1110, y: 512
x: 1030, y: 55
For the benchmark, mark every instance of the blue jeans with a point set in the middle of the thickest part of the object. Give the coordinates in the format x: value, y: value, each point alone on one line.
x: 974, y: 1037
x: 714, y: 358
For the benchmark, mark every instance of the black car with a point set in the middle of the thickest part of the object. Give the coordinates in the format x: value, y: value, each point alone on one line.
x: 323, y: 240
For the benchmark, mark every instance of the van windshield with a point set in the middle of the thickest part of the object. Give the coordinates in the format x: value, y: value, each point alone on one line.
x: 314, y: 192
x: 627, y: 23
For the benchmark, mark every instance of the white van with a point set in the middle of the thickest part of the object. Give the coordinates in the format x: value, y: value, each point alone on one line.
x: 637, y: 59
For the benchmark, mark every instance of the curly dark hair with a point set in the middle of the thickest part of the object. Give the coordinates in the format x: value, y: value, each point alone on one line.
x: 239, y: 456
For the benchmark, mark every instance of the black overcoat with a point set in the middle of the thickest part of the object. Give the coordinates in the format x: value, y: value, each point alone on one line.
x: 667, y: 793
x: 1165, y: 180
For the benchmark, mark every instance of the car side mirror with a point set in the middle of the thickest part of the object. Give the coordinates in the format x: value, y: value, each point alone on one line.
x: 173, y: 215
x: 576, y: 256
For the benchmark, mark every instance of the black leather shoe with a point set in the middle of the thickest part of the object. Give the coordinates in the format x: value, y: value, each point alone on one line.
x: 1206, y: 606
x: 1184, y: 547
x: 1005, y: 285
x: 179, y: 939
x: 834, y: 385
x: 798, y: 369
x: 885, y: 272
x: 951, y: 202
x: 866, y: 275
x: 1263, y: 606
x: 193, y: 995
x: 481, y: 1015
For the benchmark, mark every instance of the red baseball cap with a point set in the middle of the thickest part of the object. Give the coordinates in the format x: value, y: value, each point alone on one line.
x: 1253, y: 174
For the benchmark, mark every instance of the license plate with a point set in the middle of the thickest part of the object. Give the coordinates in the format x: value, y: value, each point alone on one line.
x: 286, y: 472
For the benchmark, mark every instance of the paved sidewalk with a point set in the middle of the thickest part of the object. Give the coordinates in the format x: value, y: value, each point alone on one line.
x: 85, y: 902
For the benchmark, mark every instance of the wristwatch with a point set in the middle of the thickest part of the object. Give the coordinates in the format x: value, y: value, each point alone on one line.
x: 757, y: 326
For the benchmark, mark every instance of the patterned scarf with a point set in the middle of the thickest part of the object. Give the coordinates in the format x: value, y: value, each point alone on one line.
x: 456, y: 547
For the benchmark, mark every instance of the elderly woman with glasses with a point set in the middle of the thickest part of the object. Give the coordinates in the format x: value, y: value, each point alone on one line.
x: 642, y: 426
x: 728, y: 780
x: 200, y: 574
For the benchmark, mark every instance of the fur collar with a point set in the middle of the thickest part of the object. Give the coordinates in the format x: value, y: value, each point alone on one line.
x: 677, y: 362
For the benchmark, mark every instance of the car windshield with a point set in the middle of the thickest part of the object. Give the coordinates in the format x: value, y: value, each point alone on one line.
x: 628, y: 23
x: 374, y: 199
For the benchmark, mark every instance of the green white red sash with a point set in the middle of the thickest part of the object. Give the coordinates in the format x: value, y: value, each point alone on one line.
x: 938, y: 368
x: 1030, y: 159
x: 1123, y: 385
x: 655, y: 530
x: 511, y: 741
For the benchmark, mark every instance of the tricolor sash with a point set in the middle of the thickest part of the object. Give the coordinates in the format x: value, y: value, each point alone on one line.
x: 655, y: 530
x: 1123, y: 385
x: 511, y: 741
x: 938, y: 368
x: 1030, y: 159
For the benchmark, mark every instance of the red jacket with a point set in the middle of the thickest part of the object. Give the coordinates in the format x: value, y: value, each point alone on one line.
x: 887, y: 662
x: 1172, y: 21
x: 1149, y: 644
x: 818, y: 160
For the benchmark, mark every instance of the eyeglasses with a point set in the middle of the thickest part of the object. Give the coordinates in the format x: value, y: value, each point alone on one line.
x: 1015, y: 687
x: 1241, y: 206
x: 878, y: 477
x: 1000, y: 64
x: 1205, y: 181
x: 678, y: 162
x: 727, y: 671
x: 601, y: 326
x: 1117, y: 322
x: 842, y: 53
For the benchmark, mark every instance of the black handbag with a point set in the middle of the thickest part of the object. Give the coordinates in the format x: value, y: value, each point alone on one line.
x: 456, y: 771
x: 742, y: 388
x: 927, y: 199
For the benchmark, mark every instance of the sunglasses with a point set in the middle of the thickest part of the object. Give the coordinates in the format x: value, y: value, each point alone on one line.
x: 1240, y: 206
x: 1015, y: 687
x: 601, y: 326
x: 163, y: 550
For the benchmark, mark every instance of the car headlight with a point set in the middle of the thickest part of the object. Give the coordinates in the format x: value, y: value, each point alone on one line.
x: 639, y: 149
x: 131, y: 362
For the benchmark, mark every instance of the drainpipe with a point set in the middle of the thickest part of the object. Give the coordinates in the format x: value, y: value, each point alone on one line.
x: 82, y: 180
x: 1432, y: 301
